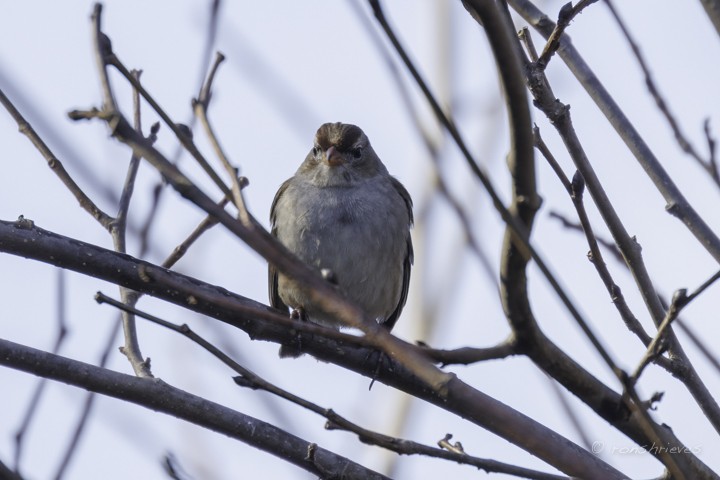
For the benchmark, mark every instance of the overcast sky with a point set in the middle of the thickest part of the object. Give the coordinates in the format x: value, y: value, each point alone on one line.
x: 290, y: 67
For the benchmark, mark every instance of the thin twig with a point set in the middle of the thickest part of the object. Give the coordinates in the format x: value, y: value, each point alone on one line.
x: 707, y: 164
x: 131, y: 348
x: 565, y: 16
x: 61, y: 315
x: 172, y: 467
x: 179, y: 251
x: 103, y: 52
x: 87, y: 407
x: 55, y: 164
x: 571, y: 412
x: 182, y: 132
x: 105, y: 56
x: 83, y: 167
x: 200, y: 107
x: 211, y: 36
x: 680, y: 300
x: 658, y: 345
x: 430, y: 146
x: 695, y: 339
x: 711, y: 144
x: 118, y: 229
x: 575, y: 190
x: 608, y: 245
x: 469, y: 355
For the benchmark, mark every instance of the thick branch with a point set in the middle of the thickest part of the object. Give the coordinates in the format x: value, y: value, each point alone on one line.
x: 250, y: 379
x: 159, y: 396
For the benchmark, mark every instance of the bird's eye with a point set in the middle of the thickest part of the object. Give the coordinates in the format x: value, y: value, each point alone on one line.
x: 316, y: 151
x: 356, y: 152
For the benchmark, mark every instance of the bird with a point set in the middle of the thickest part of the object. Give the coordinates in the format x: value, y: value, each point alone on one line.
x: 343, y: 214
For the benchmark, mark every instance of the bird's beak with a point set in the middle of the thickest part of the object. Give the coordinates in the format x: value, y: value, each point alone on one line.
x: 333, y: 157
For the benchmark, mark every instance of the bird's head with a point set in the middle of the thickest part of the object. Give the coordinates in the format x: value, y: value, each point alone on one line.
x: 341, y: 156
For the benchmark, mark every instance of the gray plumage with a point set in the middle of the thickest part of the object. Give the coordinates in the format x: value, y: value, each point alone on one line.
x: 342, y: 211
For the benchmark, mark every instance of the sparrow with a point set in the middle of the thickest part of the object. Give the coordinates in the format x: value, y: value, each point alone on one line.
x: 345, y: 215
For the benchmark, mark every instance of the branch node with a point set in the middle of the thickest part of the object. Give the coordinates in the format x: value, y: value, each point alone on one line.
x: 451, y: 447
x: 651, y: 403
x: 24, y: 223
x: 243, y: 381
x: 185, y: 131
x: 143, y: 274
x: 577, y: 186
x: 105, y: 45
x: 310, y: 455
x: 566, y: 13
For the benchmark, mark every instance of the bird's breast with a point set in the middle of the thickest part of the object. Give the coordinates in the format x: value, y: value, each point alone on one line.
x: 358, y: 233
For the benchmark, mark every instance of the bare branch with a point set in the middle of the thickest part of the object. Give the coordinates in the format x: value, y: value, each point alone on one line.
x: 687, y: 147
x: 567, y: 14
x: 658, y: 345
x: 55, y: 164
x: 131, y: 348
x: 200, y: 107
x: 87, y: 404
x: 575, y: 190
x: 469, y: 355
x: 677, y: 204
x: 105, y: 56
x: 430, y: 145
x: 159, y: 396
x: 605, y: 243
x: 700, y: 345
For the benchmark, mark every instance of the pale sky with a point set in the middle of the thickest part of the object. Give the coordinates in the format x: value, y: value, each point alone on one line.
x: 290, y: 67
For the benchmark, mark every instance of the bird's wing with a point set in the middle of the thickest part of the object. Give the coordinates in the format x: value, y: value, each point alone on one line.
x: 273, y: 293
x: 407, y: 261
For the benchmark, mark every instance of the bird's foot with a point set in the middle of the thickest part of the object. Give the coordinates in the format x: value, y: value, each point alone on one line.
x: 294, y: 350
